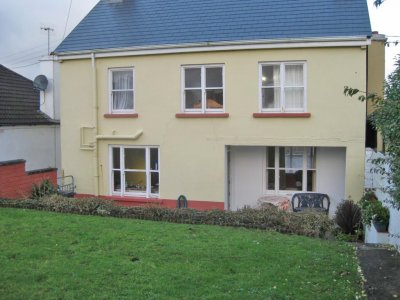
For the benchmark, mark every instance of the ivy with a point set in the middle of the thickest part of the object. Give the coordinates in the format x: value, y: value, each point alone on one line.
x: 386, y: 119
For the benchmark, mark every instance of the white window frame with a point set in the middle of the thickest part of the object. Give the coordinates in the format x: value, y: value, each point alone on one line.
x: 277, y: 168
x: 203, y: 89
x: 282, y: 107
x: 122, y: 169
x: 110, y: 91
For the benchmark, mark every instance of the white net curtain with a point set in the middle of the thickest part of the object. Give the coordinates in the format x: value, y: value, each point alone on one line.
x: 122, y: 90
x: 294, y: 87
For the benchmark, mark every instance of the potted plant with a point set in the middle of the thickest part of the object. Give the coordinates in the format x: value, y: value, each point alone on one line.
x: 373, y: 212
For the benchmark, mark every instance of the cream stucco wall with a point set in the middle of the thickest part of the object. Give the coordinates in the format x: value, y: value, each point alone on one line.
x: 376, y: 74
x: 192, y: 151
x: 376, y: 68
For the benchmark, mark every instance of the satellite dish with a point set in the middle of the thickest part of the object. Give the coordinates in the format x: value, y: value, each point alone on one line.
x: 40, y: 82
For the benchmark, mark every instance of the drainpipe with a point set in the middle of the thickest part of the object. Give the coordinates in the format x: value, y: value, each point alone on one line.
x: 95, y: 127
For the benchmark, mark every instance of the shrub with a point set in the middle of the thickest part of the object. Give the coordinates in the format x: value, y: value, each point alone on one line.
x: 348, y: 217
x: 45, y: 188
x: 269, y: 218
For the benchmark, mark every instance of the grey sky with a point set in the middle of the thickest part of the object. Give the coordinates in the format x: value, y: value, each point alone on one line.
x: 22, y: 42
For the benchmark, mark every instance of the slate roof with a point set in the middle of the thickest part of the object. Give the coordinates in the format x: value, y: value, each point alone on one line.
x: 19, y: 101
x: 144, y: 23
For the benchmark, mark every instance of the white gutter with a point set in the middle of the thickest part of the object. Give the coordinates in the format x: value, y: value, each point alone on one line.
x: 356, y: 41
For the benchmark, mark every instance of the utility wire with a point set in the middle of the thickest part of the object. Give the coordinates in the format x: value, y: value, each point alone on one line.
x: 22, y: 58
x: 66, y: 22
x: 26, y: 65
x: 22, y: 53
x: 26, y: 59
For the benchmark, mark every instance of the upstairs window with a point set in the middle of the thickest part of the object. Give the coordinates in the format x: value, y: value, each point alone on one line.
x: 122, y: 90
x: 203, y: 88
x: 282, y: 87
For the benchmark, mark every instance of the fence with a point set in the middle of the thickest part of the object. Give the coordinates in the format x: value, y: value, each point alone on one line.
x: 379, y: 182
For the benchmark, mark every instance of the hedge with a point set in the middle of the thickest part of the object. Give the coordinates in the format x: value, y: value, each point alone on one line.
x: 267, y: 218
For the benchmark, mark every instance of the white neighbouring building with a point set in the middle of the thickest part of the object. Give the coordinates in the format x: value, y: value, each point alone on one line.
x: 29, y: 120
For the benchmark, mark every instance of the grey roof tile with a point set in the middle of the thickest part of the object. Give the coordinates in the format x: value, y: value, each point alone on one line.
x: 135, y: 23
x: 19, y: 101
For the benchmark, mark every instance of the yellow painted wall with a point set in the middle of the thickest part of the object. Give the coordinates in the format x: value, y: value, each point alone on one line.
x: 376, y: 68
x: 192, y: 151
x: 376, y: 74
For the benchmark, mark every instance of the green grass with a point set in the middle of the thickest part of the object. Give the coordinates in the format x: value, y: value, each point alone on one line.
x: 55, y: 256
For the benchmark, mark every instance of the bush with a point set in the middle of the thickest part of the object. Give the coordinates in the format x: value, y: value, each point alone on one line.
x: 43, y: 189
x: 269, y: 218
x: 348, y: 217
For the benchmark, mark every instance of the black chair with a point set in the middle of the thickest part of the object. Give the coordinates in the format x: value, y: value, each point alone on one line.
x: 311, y: 202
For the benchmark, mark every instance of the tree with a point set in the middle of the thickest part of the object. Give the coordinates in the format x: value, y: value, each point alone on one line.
x: 386, y: 120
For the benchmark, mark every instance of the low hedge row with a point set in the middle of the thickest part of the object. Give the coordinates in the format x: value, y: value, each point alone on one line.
x: 267, y: 218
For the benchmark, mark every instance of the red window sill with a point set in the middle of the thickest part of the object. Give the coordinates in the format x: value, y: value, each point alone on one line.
x: 112, y: 116
x: 189, y: 116
x: 281, y: 115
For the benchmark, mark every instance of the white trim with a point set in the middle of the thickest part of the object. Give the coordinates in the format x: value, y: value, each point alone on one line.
x: 110, y: 90
x: 277, y: 169
x: 202, y: 88
x: 282, y: 104
x: 355, y: 41
x: 122, y: 170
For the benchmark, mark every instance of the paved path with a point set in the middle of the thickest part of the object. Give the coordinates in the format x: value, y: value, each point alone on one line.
x: 381, y: 269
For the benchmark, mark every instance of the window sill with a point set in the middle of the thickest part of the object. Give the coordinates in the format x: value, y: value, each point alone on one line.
x: 281, y: 115
x: 201, y: 115
x: 116, y: 116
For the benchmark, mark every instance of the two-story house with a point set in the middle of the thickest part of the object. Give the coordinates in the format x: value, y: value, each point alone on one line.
x: 225, y: 102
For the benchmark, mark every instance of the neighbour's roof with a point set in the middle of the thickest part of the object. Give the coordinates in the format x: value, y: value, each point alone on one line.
x: 19, y: 101
x: 145, y: 23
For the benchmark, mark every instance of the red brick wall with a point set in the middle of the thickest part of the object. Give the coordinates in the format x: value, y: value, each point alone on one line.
x: 16, y: 183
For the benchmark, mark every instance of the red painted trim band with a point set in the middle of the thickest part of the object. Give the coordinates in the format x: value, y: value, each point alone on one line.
x: 188, y: 116
x: 281, y: 115
x: 116, y: 116
x: 167, y: 203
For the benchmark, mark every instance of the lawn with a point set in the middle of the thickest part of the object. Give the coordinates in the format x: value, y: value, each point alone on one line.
x: 47, y: 255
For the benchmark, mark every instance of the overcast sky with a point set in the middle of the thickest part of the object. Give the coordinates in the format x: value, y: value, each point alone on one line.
x: 22, y: 42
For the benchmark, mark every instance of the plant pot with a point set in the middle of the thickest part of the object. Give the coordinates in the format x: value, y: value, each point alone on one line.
x: 380, y: 226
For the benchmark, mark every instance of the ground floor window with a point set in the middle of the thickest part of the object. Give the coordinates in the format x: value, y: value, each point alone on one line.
x: 135, y: 171
x: 290, y: 169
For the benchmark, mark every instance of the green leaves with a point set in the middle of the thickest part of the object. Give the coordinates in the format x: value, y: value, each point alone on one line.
x: 350, y: 92
x: 386, y: 119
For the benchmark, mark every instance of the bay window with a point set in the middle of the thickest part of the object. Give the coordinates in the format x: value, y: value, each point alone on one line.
x: 203, y: 88
x: 135, y: 171
x: 290, y: 169
x: 282, y: 87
